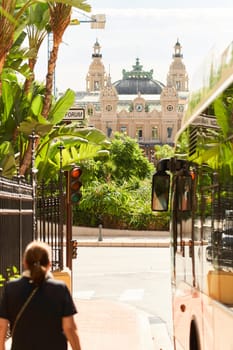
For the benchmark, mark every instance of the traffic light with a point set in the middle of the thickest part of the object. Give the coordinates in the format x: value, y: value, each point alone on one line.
x: 75, y: 185
x: 74, y: 248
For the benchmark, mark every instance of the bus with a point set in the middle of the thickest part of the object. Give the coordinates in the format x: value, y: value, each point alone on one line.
x: 196, y: 187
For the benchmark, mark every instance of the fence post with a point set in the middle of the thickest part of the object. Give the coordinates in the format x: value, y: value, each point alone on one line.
x: 68, y: 223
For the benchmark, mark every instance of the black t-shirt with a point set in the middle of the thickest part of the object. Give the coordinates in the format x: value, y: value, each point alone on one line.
x: 40, y: 326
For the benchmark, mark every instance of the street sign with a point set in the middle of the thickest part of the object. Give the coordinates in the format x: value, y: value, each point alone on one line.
x: 98, y: 21
x: 75, y: 114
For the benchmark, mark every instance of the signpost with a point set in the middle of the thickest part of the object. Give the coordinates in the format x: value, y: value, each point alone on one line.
x: 75, y: 114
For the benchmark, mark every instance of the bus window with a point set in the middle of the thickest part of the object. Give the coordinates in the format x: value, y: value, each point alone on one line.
x: 160, y: 191
x: 220, y: 248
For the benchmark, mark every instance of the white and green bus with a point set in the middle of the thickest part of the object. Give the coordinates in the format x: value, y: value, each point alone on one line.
x: 196, y: 186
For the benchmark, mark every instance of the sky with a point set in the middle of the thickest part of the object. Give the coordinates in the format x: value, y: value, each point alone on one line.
x: 147, y: 30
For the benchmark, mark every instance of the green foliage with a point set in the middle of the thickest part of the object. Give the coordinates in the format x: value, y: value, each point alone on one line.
x: 215, y: 147
x: 15, y: 61
x: 12, y: 273
x: 114, y: 191
x: 164, y: 151
x: 21, y: 116
x: 120, y: 161
x: 182, y: 145
x: 22, y: 104
x: 223, y: 107
x: 79, y: 145
x: 128, y: 159
x: 117, y: 189
x: 38, y: 16
x: 126, y: 207
x: 2, y: 280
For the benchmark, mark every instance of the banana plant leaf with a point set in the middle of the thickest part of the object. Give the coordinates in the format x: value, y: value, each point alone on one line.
x: 7, y: 157
x: 60, y: 108
x: 41, y: 128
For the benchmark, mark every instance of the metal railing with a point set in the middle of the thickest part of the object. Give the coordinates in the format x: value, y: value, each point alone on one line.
x: 50, y: 209
x: 16, y: 221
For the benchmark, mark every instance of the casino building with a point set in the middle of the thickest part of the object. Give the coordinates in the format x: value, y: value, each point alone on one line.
x: 138, y: 104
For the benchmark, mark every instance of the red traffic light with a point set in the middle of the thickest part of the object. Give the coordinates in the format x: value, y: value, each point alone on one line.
x: 76, y: 172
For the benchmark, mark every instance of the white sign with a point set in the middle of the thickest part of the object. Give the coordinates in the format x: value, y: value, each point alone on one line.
x: 98, y: 21
x: 75, y: 114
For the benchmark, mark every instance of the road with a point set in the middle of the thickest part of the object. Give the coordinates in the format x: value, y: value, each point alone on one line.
x: 137, y: 276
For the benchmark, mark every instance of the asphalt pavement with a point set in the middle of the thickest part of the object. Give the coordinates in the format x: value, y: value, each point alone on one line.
x: 105, y: 324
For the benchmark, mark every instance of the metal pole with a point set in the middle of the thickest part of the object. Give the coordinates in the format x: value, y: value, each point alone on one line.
x: 61, y: 211
x: 68, y: 223
x: 100, y: 237
x: 33, y: 138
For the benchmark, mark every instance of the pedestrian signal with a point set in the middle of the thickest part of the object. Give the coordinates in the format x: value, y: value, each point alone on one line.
x: 75, y: 184
x: 74, y: 249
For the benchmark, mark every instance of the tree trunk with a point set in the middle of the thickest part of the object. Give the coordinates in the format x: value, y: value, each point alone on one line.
x: 57, y: 39
x: 27, y: 159
x: 49, y: 81
x: 30, y: 80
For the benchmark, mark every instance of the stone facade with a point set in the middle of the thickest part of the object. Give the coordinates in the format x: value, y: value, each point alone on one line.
x: 137, y: 105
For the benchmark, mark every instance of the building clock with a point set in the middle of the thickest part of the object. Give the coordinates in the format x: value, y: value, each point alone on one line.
x: 170, y: 108
x: 139, y: 107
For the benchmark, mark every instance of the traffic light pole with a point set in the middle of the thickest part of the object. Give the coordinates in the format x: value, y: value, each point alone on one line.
x: 68, y: 223
x: 73, y: 196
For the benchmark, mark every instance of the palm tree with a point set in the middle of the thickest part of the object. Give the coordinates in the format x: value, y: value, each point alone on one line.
x: 60, y: 16
x: 8, y: 25
x: 37, y: 30
x: 12, y: 22
x: 13, y: 18
x: 24, y: 115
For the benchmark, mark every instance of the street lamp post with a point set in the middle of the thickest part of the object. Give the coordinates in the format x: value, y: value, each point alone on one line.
x: 33, y: 137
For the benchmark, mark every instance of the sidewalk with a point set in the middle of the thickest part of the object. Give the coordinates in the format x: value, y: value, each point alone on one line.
x: 95, y: 237
x: 105, y: 325
x: 109, y: 325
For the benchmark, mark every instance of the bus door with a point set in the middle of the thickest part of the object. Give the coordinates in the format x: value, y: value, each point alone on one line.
x: 202, y: 225
x: 181, y: 194
x: 182, y: 229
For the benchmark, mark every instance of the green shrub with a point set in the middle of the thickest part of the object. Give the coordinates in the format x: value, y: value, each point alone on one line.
x: 121, y: 207
x: 11, y: 273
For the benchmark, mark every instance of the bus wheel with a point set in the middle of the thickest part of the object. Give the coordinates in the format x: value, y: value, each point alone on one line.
x: 193, y: 337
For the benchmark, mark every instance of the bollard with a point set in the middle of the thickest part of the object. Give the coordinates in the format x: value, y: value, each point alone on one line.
x: 100, y: 238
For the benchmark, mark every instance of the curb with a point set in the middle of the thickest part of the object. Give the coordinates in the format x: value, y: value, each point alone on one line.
x: 96, y: 237
x: 123, y: 244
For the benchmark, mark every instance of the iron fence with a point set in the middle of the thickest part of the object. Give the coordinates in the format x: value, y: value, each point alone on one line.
x: 27, y: 214
x: 16, y: 221
x: 50, y: 209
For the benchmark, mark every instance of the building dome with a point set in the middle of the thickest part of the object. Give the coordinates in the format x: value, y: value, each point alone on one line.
x: 133, y: 86
x: 138, y: 81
